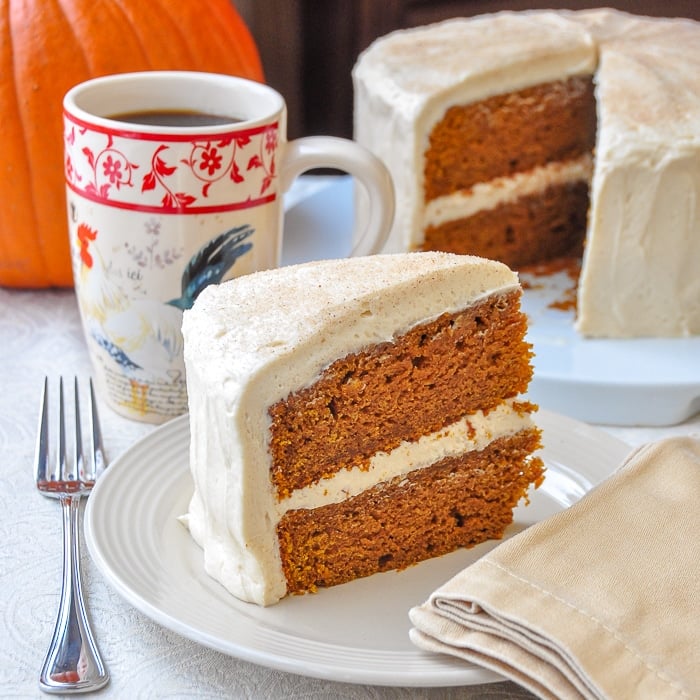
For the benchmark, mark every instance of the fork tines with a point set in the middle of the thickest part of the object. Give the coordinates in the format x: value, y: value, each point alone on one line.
x: 68, y: 475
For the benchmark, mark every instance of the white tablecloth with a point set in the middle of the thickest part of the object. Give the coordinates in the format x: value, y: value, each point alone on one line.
x: 40, y: 334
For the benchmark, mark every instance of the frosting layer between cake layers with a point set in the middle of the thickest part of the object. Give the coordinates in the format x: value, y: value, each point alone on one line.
x: 248, y: 343
x: 643, y: 237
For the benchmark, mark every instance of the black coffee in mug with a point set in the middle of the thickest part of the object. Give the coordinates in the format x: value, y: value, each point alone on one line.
x: 177, y: 118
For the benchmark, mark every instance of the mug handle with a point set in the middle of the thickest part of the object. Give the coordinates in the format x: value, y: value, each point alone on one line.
x: 310, y: 152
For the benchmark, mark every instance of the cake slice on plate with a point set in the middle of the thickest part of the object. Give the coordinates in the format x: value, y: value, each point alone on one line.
x: 354, y: 416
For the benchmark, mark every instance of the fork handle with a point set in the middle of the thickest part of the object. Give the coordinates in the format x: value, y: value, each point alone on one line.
x: 72, y: 663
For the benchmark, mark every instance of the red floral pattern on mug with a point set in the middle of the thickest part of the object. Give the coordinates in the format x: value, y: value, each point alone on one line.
x: 221, y: 172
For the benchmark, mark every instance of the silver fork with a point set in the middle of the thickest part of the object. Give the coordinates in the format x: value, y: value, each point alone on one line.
x: 73, y: 663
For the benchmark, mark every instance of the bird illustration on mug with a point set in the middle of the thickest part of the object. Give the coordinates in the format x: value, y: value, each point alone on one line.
x: 142, y: 335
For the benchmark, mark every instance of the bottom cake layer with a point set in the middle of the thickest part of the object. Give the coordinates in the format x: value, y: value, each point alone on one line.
x: 458, y: 502
x: 532, y: 229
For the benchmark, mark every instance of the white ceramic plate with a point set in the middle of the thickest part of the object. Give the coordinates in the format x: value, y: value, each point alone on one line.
x: 640, y: 381
x: 356, y: 632
x: 649, y: 381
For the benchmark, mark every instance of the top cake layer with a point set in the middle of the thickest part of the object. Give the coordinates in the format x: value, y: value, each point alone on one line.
x: 501, y: 53
x: 254, y: 319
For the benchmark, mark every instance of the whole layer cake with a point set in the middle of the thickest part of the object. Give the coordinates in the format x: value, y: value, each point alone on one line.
x: 531, y: 136
x: 354, y: 416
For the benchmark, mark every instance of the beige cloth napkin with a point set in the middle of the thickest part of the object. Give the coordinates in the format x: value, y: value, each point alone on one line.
x: 601, y: 600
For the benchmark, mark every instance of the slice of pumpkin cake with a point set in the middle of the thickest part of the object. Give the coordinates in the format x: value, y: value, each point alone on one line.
x: 354, y: 416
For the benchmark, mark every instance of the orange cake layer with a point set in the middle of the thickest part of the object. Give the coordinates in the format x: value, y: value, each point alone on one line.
x: 458, y: 502
x: 532, y: 229
x: 425, y: 380
x: 510, y: 133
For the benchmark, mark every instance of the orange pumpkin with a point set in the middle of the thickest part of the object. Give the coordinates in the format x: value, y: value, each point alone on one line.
x: 47, y: 46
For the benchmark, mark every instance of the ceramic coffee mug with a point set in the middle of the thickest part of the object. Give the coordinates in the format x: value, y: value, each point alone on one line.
x: 175, y: 181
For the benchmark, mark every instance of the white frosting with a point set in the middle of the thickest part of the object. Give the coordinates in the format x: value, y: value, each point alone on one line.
x: 640, y: 269
x: 639, y: 274
x: 251, y: 341
x: 504, y: 190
